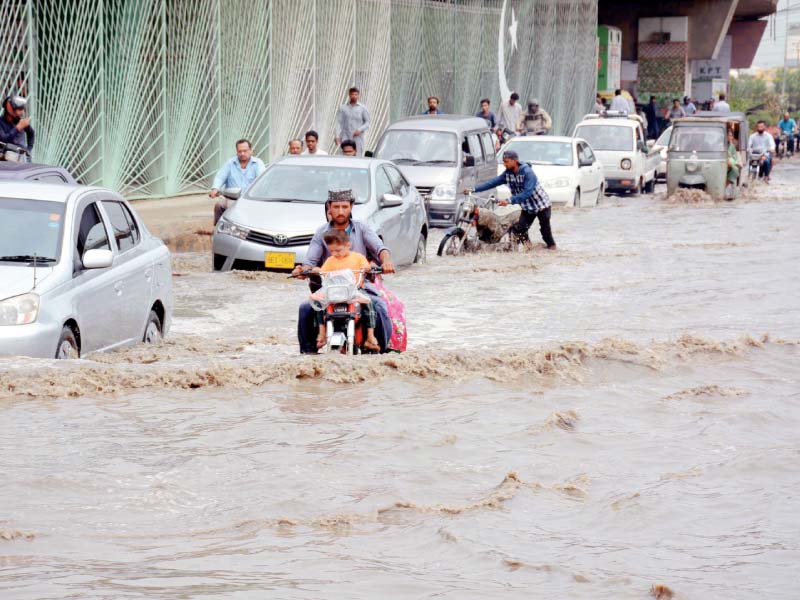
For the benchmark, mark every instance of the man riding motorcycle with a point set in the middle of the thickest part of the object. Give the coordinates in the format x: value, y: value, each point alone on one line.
x: 363, y: 240
x: 761, y: 144
x: 15, y: 128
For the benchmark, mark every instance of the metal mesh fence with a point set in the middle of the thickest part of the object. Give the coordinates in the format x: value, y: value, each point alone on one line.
x: 149, y: 96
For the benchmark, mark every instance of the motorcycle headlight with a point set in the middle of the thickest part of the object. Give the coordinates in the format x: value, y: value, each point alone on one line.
x: 19, y: 310
x: 560, y: 182
x: 229, y: 228
x: 445, y: 191
x: 626, y: 164
x: 338, y: 293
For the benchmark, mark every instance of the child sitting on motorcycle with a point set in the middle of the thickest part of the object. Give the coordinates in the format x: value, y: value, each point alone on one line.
x: 343, y: 258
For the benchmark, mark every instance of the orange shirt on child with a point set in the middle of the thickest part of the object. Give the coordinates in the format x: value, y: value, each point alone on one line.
x: 353, y: 260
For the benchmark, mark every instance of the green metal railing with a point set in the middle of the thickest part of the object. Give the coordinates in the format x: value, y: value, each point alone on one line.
x: 148, y: 96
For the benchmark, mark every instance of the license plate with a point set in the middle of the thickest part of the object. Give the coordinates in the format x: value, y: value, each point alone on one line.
x: 279, y: 260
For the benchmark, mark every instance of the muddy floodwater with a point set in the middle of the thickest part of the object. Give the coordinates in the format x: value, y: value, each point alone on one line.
x: 621, y: 414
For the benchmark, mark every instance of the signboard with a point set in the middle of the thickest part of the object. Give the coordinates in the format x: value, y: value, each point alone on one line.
x: 609, y: 60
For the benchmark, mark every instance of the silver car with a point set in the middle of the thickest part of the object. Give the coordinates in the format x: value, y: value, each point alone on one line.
x: 79, y: 272
x: 272, y: 223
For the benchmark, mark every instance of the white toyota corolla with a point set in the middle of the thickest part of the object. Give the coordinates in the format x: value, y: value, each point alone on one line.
x: 566, y: 167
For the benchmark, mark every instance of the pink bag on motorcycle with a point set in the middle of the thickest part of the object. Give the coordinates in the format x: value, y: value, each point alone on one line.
x: 397, y: 314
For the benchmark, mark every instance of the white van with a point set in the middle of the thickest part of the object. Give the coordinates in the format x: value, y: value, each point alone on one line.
x: 618, y: 140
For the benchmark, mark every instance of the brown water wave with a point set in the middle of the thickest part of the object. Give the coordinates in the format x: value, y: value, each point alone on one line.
x: 141, y: 368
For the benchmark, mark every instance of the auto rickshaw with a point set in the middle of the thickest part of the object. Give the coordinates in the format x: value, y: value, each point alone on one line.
x: 698, y: 153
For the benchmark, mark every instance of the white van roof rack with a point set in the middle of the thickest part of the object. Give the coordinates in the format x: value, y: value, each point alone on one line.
x: 614, y: 114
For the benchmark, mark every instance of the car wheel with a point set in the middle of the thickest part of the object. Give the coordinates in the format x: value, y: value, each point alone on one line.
x: 650, y: 187
x: 601, y: 193
x: 67, y: 345
x: 576, y: 200
x: 152, y: 331
x: 422, y: 250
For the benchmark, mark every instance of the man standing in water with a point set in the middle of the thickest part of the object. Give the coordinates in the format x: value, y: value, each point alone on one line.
x: 363, y: 240
x: 352, y: 121
x: 528, y: 194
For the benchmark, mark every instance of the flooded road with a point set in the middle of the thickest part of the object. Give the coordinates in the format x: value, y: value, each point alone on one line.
x: 588, y: 423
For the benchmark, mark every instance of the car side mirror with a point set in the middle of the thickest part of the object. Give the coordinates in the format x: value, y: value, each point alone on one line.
x: 390, y: 200
x: 585, y: 163
x: 97, y: 259
x: 643, y: 147
x: 369, y: 154
x: 469, y: 161
x: 232, y: 193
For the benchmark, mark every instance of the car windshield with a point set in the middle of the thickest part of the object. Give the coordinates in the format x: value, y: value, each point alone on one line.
x: 698, y: 139
x: 309, y: 183
x: 540, y: 152
x: 28, y: 229
x: 607, y: 137
x: 418, y: 147
x: 663, y: 139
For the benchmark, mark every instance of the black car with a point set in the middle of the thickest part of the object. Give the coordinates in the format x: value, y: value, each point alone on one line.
x: 34, y: 172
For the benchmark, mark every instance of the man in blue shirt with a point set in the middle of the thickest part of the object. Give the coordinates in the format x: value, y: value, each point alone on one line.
x: 363, y: 240
x: 487, y: 115
x: 238, y: 172
x: 528, y: 193
x: 787, y: 125
x: 433, y: 106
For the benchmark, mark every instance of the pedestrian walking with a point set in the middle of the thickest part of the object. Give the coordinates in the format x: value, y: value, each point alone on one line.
x: 295, y: 147
x: 239, y: 172
x: 352, y: 121
x: 676, y: 112
x: 722, y: 105
x: 487, y: 115
x: 312, y: 144
x: 619, y: 103
x: 688, y: 106
x: 651, y: 112
x: 433, y: 106
x: 510, y: 116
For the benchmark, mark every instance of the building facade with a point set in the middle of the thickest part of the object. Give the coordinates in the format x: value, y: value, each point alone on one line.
x: 148, y: 96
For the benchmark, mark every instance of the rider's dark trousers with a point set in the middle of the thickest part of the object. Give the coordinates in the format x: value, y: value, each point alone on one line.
x: 307, y: 328
x: 526, y: 220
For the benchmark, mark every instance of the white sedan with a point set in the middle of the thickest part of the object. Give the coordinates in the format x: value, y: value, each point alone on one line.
x: 566, y: 167
x: 79, y: 272
x: 662, y: 143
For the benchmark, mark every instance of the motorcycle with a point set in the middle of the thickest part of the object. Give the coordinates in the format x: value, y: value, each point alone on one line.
x: 340, y: 300
x: 505, y: 135
x: 14, y: 153
x: 478, y: 221
x: 783, y: 145
x: 754, y: 165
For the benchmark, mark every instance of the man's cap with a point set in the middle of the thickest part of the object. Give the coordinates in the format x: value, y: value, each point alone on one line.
x: 511, y: 154
x: 535, y: 102
x: 340, y: 196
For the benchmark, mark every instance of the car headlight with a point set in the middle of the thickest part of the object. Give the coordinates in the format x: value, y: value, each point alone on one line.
x: 19, y: 310
x: 626, y: 164
x: 229, y: 228
x: 445, y: 191
x: 560, y: 182
x: 691, y: 166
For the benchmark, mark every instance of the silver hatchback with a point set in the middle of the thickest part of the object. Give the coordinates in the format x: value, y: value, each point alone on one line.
x: 273, y: 222
x: 79, y: 272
